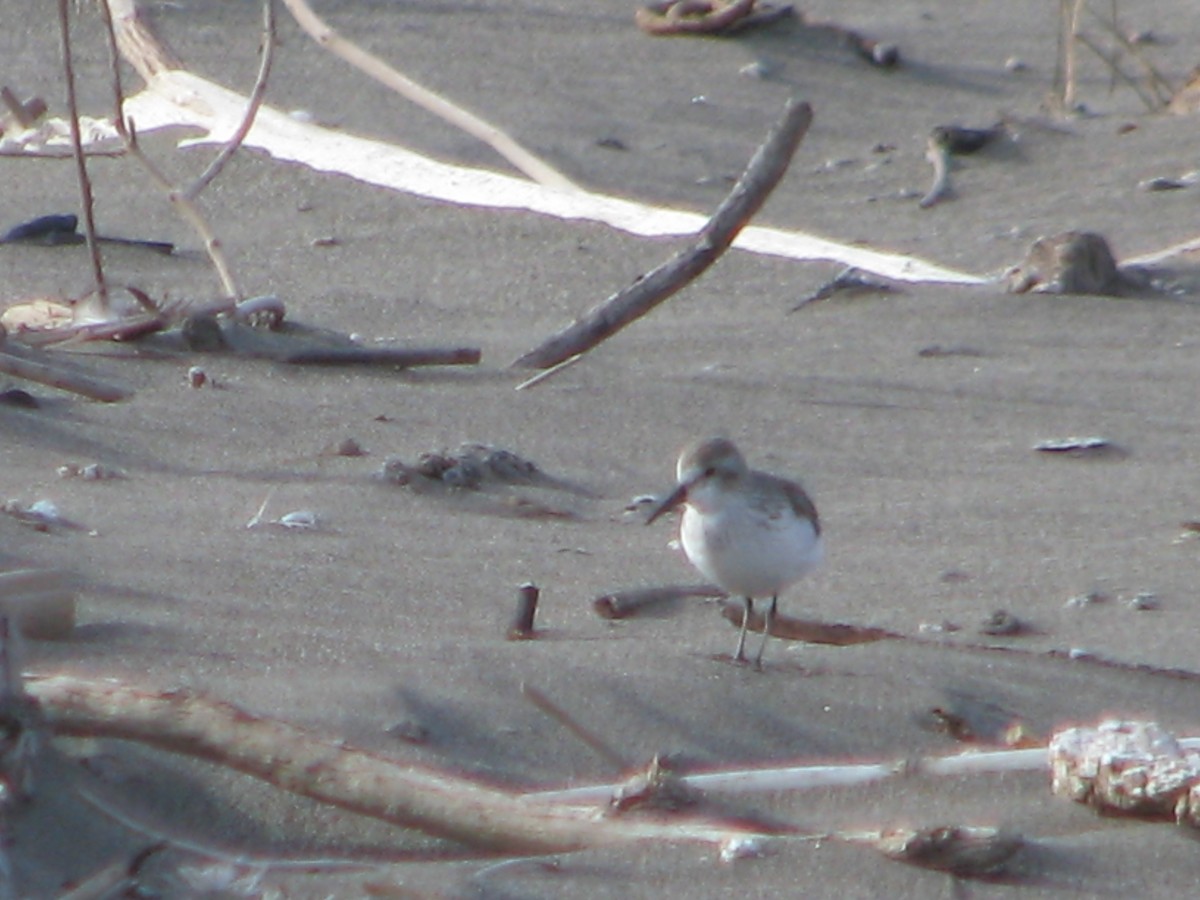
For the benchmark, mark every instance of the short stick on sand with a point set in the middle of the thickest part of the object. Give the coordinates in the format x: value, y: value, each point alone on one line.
x: 521, y: 628
x: 765, y: 170
x: 372, y: 65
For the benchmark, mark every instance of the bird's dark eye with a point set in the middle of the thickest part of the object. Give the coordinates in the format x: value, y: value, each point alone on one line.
x: 710, y: 471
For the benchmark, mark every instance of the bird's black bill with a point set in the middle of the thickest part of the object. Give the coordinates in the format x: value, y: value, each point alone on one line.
x: 673, y: 499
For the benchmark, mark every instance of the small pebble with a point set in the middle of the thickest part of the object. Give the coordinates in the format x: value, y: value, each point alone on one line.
x: 1161, y: 183
x: 1143, y: 601
x: 197, y: 377
x: 1015, y: 65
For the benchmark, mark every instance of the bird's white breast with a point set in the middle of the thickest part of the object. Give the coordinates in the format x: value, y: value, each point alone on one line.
x: 746, y: 547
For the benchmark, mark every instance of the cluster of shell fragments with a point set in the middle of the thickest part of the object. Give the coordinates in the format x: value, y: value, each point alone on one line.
x: 1136, y: 768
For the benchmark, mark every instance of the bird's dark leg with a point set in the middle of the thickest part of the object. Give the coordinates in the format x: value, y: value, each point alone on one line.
x: 768, y: 621
x: 740, y: 654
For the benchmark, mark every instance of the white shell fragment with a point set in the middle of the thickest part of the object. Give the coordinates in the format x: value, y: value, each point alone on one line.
x: 742, y: 847
x: 1137, y: 768
x: 299, y: 520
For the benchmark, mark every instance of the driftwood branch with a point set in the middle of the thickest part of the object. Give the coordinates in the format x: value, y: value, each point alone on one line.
x: 372, y: 65
x: 369, y: 784
x: 764, y: 171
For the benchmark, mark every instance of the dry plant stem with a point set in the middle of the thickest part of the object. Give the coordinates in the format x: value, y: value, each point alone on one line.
x: 401, y: 357
x: 1163, y: 91
x: 372, y: 65
x: 20, y: 366
x: 765, y: 170
x: 85, y: 184
x: 256, y: 99
x: 1069, y: 11
x: 413, y: 796
x: 188, y: 211
x: 1114, y: 66
x: 120, y: 14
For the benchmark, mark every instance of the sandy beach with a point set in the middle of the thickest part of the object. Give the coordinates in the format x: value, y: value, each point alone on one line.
x: 911, y: 416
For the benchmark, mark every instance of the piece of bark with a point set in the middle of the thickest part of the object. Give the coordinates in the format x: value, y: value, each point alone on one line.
x: 808, y: 630
x: 765, y: 170
x: 436, y: 802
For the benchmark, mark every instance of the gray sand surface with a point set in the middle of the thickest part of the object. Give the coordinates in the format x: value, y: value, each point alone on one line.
x: 935, y: 505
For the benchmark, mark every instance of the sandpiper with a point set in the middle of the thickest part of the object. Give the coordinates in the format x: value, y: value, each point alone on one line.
x: 751, y: 533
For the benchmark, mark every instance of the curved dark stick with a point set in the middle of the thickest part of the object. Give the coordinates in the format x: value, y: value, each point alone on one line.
x: 765, y: 170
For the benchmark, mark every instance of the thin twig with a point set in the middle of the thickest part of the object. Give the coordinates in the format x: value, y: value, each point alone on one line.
x: 182, y: 203
x: 372, y: 65
x: 1114, y: 65
x: 1069, y: 11
x: 1161, y: 87
x: 256, y: 99
x: 764, y: 171
x: 85, y: 184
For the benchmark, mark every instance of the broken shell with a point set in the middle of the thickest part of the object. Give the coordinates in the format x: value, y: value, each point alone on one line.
x: 742, y: 847
x: 299, y: 520
x: 1079, y: 446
